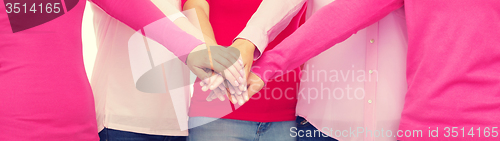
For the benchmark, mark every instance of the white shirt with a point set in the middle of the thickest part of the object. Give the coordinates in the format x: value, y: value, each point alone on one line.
x: 119, y: 104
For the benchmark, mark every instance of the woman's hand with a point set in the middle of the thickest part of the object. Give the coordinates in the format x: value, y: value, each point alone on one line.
x: 246, y: 49
x: 238, y: 94
x: 255, y: 84
x: 223, y: 60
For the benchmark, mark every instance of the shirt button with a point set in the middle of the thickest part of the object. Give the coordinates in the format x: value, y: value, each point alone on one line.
x: 372, y: 41
x: 369, y: 101
x: 370, y: 71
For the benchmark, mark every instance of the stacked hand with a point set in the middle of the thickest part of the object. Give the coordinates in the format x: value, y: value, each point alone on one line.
x: 204, y: 61
x: 237, y: 92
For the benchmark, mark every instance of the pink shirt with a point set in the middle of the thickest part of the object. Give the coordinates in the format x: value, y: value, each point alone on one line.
x: 44, y: 91
x: 351, y: 97
x: 452, y: 64
x: 279, y: 94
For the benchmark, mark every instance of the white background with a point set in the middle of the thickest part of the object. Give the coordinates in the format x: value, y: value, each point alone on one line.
x: 89, y: 40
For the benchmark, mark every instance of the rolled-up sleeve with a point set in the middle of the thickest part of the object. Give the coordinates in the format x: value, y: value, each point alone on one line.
x: 332, y: 24
x: 157, y: 26
x: 272, y: 17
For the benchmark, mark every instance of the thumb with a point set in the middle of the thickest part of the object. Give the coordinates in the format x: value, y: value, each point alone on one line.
x: 255, y: 84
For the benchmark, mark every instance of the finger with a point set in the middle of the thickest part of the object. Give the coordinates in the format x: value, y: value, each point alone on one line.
x: 204, y: 86
x: 231, y: 88
x: 200, y: 73
x: 253, y: 89
x: 221, y: 92
x: 213, y: 96
x: 204, y: 83
x: 247, y: 69
x: 225, y: 58
x: 230, y: 53
x: 209, y: 97
x: 235, y: 71
x: 245, y: 95
x: 240, y: 99
x: 230, y: 73
x: 230, y: 78
x: 238, y: 64
x: 213, y: 78
x: 234, y: 87
x: 242, y: 87
x: 218, y: 94
x: 233, y: 99
x: 221, y: 64
x: 218, y: 80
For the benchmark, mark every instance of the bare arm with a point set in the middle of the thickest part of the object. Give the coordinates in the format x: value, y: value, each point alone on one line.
x: 202, y: 13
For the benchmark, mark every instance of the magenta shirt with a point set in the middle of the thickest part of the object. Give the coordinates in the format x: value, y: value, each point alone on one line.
x: 267, y: 106
x: 44, y: 91
x: 453, y: 61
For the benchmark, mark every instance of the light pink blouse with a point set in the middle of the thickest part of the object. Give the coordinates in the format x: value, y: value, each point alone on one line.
x: 453, y: 61
x: 381, y: 104
x: 360, y: 83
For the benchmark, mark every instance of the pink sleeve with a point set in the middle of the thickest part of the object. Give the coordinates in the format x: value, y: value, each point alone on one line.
x: 143, y: 14
x: 332, y: 24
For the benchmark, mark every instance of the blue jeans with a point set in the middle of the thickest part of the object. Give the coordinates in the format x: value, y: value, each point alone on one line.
x: 213, y: 129
x: 116, y: 135
x: 304, y: 125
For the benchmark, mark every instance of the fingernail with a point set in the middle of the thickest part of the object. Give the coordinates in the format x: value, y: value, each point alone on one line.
x: 241, y: 102
x: 241, y: 79
x: 242, y: 88
x: 241, y: 62
x: 204, y: 88
x: 234, y: 100
x: 236, y: 82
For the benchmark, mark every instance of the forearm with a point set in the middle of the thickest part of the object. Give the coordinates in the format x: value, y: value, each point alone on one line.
x: 330, y: 25
x: 186, y: 20
x: 202, y: 17
x: 144, y: 15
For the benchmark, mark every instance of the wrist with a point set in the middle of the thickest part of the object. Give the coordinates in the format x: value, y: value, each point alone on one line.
x: 244, y: 45
x: 196, y: 49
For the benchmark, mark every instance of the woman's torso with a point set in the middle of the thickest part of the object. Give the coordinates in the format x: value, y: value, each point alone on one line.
x: 45, y: 94
x: 276, y: 102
